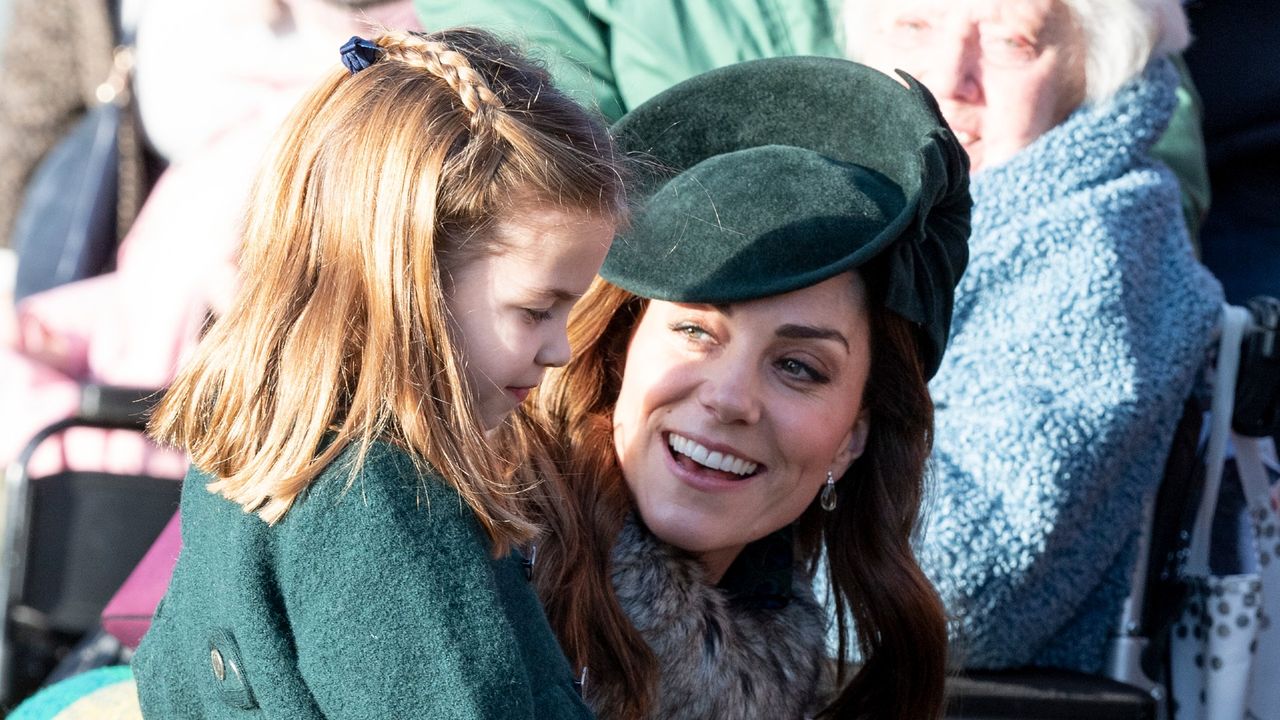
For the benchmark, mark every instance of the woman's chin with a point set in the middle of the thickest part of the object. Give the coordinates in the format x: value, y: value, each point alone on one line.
x: 683, y: 530
x: 974, y: 150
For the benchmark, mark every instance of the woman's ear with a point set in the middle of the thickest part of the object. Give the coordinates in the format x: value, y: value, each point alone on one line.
x: 853, y: 445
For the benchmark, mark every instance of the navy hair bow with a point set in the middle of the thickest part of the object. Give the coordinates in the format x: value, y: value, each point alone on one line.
x: 358, y: 54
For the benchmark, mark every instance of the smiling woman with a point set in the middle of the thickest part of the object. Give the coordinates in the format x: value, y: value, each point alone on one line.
x: 747, y: 401
x: 714, y: 419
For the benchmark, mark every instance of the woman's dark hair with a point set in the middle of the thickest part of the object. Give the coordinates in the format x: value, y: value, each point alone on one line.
x: 900, y: 622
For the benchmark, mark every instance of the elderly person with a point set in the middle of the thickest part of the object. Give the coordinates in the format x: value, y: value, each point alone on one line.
x: 1080, y: 323
x: 748, y: 399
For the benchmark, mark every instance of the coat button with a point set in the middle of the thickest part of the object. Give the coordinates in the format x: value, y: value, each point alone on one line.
x: 219, y: 666
x: 228, y: 670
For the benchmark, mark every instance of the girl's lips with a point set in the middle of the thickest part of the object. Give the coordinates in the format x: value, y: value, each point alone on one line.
x: 520, y: 393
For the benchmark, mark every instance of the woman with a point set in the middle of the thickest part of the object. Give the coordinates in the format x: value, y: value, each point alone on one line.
x: 749, y: 394
x: 1080, y: 323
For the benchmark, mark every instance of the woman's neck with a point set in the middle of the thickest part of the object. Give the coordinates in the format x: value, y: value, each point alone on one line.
x: 717, y: 562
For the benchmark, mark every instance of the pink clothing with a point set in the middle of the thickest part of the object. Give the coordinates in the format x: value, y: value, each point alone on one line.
x: 128, y: 614
x: 132, y: 327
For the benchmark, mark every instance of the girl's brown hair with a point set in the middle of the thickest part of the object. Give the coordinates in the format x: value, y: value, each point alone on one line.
x: 380, y: 183
x: 900, y: 621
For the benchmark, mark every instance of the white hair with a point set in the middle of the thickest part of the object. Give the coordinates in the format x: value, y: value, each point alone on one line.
x: 1120, y: 36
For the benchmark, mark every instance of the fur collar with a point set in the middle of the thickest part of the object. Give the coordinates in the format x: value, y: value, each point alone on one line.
x: 754, y: 651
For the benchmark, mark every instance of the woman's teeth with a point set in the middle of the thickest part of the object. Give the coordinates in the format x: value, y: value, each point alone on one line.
x: 706, y: 458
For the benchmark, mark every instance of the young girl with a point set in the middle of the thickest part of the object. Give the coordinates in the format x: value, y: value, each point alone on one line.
x: 412, y: 249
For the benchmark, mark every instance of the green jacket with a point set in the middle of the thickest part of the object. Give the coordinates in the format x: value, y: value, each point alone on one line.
x: 615, y: 54
x: 378, y: 602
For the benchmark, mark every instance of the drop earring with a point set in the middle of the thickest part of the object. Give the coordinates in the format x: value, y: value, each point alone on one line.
x: 828, y: 498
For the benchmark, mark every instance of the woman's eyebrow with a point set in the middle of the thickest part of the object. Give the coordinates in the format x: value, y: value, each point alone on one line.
x: 807, y: 332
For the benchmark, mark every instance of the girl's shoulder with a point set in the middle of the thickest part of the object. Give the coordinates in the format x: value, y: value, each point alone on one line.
x: 385, y: 500
x: 382, y: 471
x: 384, y: 492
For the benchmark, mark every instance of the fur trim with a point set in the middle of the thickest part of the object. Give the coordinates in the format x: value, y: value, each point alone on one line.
x: 719, y: 657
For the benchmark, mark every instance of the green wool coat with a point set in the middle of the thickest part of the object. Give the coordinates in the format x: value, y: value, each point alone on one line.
x: 381, y: 601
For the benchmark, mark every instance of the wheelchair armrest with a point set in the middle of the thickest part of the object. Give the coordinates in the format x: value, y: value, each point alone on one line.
x: 114, y: 404
x: 101, y: 406
x: 1042, y: 694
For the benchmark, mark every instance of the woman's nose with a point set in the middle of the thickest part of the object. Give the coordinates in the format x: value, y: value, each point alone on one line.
x: 730, y: 391
x: 952, y: 70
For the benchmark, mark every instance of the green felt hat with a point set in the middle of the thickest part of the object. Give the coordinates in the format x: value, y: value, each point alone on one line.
x: 773, y: 175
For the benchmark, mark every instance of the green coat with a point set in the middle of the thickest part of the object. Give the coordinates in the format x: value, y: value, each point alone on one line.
x: 378, y: 602
x: 615, y: 54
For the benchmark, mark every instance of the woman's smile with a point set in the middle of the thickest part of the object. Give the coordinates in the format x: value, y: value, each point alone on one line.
x: 709, y: 466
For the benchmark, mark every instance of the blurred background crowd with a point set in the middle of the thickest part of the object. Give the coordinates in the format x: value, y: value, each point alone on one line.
x: 200, y: 87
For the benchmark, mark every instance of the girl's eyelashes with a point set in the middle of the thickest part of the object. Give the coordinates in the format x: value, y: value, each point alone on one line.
x: 537, y: 315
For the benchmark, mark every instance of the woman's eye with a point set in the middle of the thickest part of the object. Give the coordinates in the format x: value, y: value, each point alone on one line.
x: 801, y: 370
x: 1009, y: 48
x: 537, y: 315
x: 910, y: 28
x: 690, y: 331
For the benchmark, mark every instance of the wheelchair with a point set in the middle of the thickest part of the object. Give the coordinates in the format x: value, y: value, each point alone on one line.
x: 1246, y: 399
x: 71, y: 539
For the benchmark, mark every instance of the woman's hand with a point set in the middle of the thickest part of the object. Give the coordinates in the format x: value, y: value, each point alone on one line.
x: 38, y: 342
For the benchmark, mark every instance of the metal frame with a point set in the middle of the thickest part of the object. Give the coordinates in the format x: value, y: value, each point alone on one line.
x: 1129, y: 644
x: 102, y: 407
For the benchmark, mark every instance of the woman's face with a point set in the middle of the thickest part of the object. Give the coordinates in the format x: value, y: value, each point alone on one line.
x: 729, y: 417
x: 1003, y: 71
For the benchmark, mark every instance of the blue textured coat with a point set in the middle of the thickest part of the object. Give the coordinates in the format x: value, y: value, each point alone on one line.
x: 1079, y: 328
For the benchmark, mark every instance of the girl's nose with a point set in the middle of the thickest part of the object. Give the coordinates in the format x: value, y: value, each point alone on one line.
x: 555, y: 349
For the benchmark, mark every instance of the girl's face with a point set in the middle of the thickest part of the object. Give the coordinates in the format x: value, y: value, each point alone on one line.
x: 729, y: 417
x: 510, y: 308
